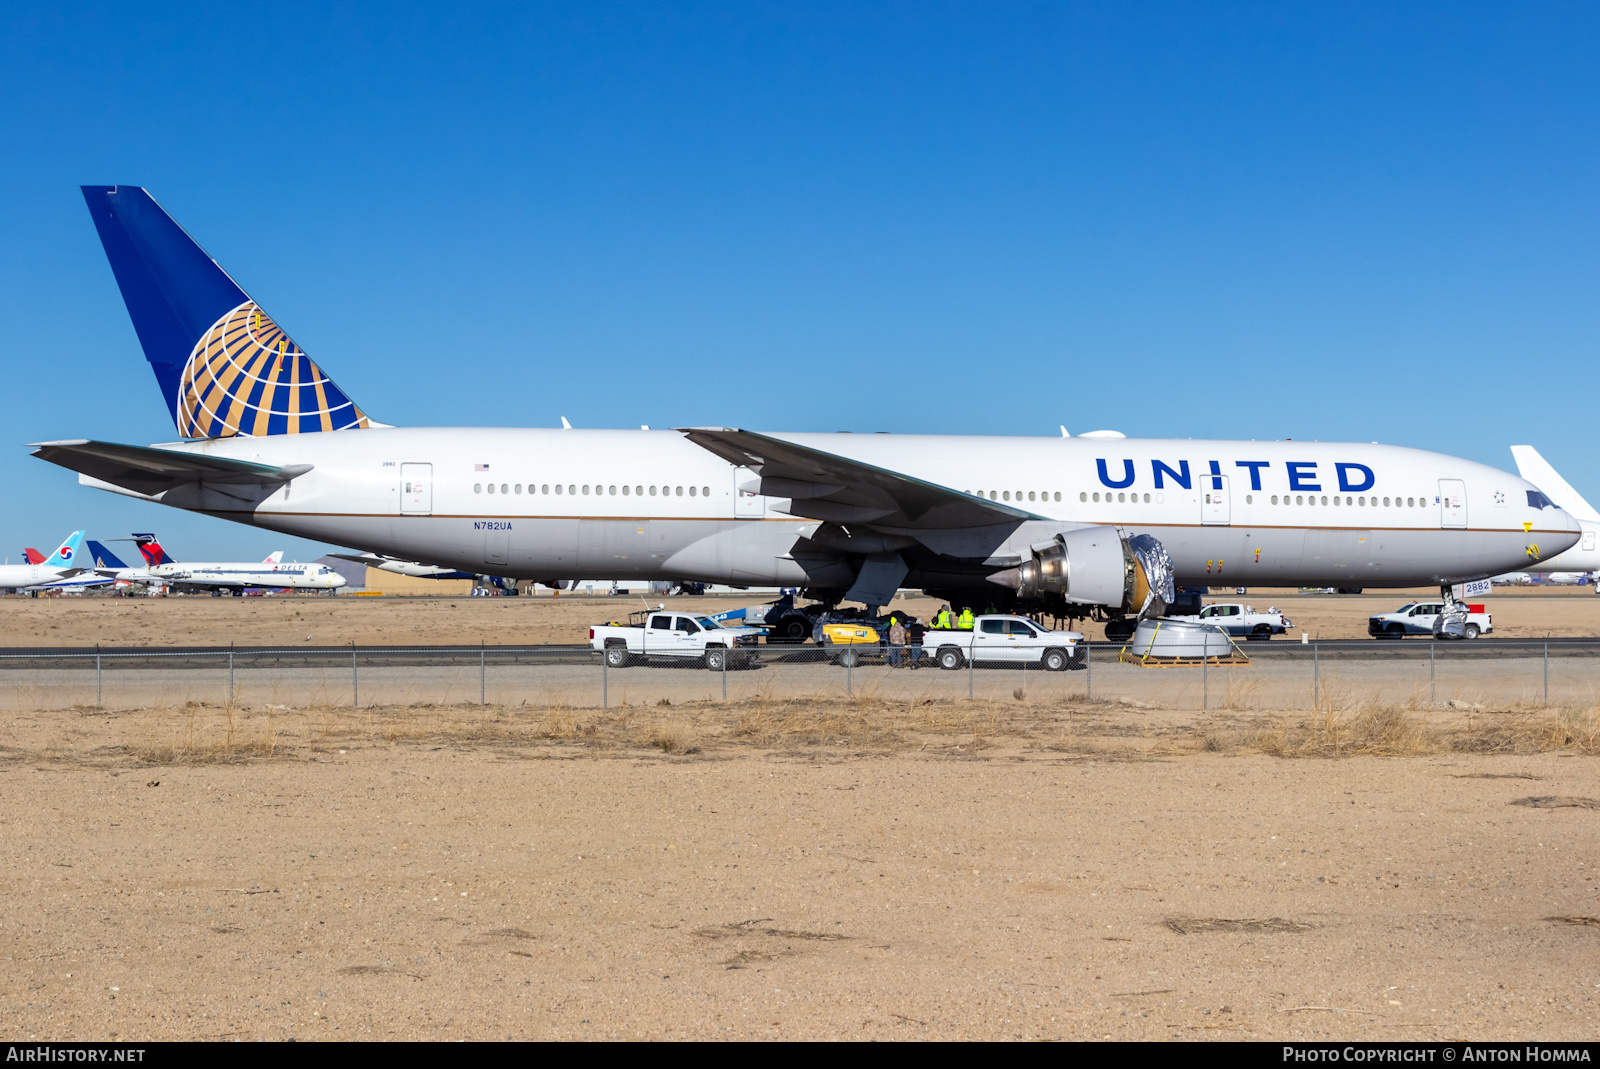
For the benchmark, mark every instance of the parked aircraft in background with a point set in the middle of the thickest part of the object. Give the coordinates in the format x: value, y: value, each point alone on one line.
x: 404, y: 567
x: 270, y: 574
x: 1073, y: 526
x: 1569, y: 565
x: 61, y: 564
x: 32, y: 556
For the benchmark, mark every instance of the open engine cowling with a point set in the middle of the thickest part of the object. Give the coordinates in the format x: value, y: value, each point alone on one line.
x: 1096, y: 566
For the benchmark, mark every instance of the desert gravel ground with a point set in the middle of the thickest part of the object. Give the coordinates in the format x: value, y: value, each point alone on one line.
x: 1519, y: 612
x: 855, y: 870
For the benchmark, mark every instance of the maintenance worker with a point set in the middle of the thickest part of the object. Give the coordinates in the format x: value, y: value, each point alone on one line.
x: 897, y: 640
x: 941, y: 620
x: 965, y: 622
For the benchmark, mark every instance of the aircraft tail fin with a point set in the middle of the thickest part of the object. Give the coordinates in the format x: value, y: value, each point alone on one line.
x: 274, y: 558
x: 32, y: 556
x: 225, y: 368
x: 103, y: 557
x: 66, y: 555
x: 1537, y: 470
x: 151, y: 550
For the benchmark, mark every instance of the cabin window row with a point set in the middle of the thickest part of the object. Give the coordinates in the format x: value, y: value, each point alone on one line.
x: 574, y: 489
x: 1006, y: 495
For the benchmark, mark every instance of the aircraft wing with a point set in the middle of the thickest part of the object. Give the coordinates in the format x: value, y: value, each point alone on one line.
x: 148, y: 470
x: 825, y: 486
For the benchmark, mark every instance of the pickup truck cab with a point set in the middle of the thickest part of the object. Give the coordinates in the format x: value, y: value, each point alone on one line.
x: 1421, y: 618
x: 1242, y: 621
x: 681, y: 636
x: 1005, y: 640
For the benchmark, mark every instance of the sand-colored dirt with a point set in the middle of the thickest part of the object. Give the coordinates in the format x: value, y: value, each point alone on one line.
x: 322, y: 620
x: 799, y: 870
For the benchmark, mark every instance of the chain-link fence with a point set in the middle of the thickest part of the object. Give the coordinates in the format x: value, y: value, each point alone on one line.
x: 1266, y: 675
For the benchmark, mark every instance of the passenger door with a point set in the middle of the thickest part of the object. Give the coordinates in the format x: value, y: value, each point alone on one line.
x: 1215, y: 504
x: 658, y: 637
x: 686, y: 634
x: 1452, y: 503
x: 1027, y: 644
x: 416, y: 489
x: 992, y: 642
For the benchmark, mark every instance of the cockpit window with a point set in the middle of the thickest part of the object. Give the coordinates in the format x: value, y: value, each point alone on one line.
x: 1537, y: 500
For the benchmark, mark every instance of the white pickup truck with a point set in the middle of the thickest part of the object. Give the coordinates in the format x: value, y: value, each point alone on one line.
x: 1005, y: 639
x: 1242, y: 621
x: 675, y: 635
x: 1421, y: 618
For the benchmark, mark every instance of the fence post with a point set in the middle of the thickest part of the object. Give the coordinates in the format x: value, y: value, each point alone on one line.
x: 849, y: 663
x: 1547, y: 669
x: 1088, y: 668
x: 355, y: 680
x: 605, y: 683
x: 1205, y: 681
x: 969, y: 673
x: 727, y: 655
x: 230, y: 677
x: 480, y: 672
x: 1433, y: 689
x: 97, y: 675
x: 1316, y: 671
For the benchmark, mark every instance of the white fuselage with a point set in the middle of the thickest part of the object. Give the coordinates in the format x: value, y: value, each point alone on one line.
x: 1581, y: 558
x: 599, y: 504
x: 260, y: 575
x: 21, y: 576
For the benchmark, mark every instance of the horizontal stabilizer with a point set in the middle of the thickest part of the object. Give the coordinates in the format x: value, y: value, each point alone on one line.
x: 147, y: 470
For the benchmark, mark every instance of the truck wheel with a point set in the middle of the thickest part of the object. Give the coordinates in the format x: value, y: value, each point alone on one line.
x: 1472, y: 631
x: 717, y: 659
x: 950, y: 659
x: 1262, y: 633
x: 849, y: 658
x: 617, y: 657
x: 1395, y: 631
x: 1056, y: 660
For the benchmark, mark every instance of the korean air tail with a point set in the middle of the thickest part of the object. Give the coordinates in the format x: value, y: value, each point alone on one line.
x: 225, y: 368
x: 103, y: 557
x: 66, y: 556
x: 1537, y: 470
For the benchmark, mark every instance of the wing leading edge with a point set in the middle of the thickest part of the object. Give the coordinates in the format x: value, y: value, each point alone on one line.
x: 828, y: 487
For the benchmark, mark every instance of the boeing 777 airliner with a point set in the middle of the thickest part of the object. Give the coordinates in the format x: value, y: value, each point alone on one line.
x: 1099, y: 525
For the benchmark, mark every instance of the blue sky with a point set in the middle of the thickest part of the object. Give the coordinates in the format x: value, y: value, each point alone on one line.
x: 1367, y: 222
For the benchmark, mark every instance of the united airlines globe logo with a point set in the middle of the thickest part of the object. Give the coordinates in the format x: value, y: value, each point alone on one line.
x: 246, y: 377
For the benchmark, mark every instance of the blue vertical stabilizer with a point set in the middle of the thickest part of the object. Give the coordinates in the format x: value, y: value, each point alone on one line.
x: 225, y: 368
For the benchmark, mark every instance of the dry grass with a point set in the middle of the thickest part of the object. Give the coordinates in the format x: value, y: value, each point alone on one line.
x: 201, y: 733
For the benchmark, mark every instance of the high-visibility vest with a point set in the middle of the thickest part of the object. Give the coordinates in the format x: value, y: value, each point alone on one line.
x: 942, y: 621
x: 966, y: 619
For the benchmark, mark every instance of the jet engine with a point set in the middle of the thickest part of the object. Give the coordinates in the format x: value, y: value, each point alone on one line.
x: 1096, y: 566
